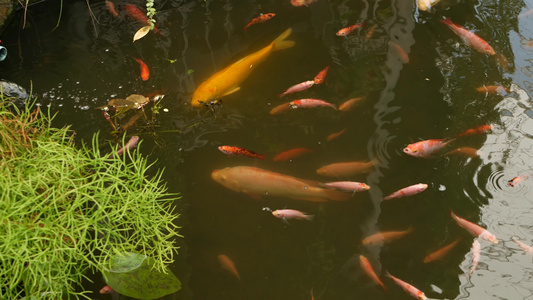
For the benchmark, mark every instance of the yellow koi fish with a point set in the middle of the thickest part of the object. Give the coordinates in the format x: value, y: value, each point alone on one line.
x: 228, y: 80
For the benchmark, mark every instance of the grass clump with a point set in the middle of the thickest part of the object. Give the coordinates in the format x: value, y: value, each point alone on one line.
x: 65, y: 211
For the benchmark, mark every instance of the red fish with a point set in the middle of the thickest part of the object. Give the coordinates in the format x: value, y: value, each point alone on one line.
x: 334, y: 135
x: 476, y: 255
x: 403, y: 56
x: 237, y: 151
x: 291, y: 154
x: 307, y: 103
x: 321, y: 76
x: 281, y: 108
x: 135, y: 13
x: 228, y: 264
x: 408, y: 288
x: 469, y: 37
x: 468, y: 151
x: 382, y: 237
x: 426, y: 148
x: 474, y: 229
x: 111, y: 7
x: 479, y: 129
x: 260, y: 19
x: 492, y: 89
x: 370, y: 32
x: 349, y: 104
x: 106, y: 290
x: 408, y: 191
x: 439, y: 254
x: 298, y: 88
x: 302, y: 2
x: 132, y: 143
x: 517, y: 179
x: 367, y: 267
x: 346, y: 169
x: 347, y: 30
x: 145, y: 72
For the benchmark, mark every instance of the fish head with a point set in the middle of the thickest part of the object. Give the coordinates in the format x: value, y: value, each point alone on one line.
x: 364, y: 186
x: 421, y: 296
x: 278, y: 214
x: 422, y: 187
x: 204, y: 96
x: 341, y: 33
x: 411, y: 150
x: 224, y: 178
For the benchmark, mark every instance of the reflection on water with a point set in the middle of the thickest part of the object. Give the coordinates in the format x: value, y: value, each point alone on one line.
x: 431, y: 95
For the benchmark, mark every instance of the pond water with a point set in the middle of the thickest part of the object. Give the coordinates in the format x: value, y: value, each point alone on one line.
x: 81, y: 64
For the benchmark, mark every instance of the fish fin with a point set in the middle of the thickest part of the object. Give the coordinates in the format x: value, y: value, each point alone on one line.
x: 232, y: 91
x: 285, y: 221
x: 254, y: 196
x: 447, y: 22
x: 261, y: 156
x: 309, y: 217
x: 279, y: 43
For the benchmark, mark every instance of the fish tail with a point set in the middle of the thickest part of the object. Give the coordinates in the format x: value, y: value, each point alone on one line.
x: 279, y: 43
x: 309, y: 217
x: 447, y: 22
x: 261, y: 156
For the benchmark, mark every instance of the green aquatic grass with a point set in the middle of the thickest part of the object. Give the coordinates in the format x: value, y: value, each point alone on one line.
x: 64, y: 211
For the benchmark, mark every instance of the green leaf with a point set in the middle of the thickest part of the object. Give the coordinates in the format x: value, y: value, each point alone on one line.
x: 134, y: 275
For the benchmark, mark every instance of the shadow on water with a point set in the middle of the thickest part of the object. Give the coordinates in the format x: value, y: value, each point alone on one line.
x: 77, y: 67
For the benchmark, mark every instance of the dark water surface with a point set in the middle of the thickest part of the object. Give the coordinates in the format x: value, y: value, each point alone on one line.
x: 78, y: 67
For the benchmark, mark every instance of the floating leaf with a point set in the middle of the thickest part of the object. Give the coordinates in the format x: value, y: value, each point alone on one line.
x: 141, y: 32
x: 138, y: 100
x: 171, y: 60
x: 134, y: 275
x: 190, y: 71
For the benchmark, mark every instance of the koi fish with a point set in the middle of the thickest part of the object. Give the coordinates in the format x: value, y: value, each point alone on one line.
x: 403, y: 56
x: 260, y: 19
x: 382, y: 237
x: 135, y: 13
x: 307, y: 103
x: 474, y: 229
x: 301, y: 2
x: 370, y: 32
x: 408, y: 191
x: 523, y: 246
x: 516, y: 180
x: 426, y: 148
x: 346, y: 169
x: 298, y: 88
x: 439, y: 254
x: 425, y: 5
x: 492, y: 89
x: 479, y: 129
x: 468, y: 151
x: 228, y: 80
x: 106, y: 290
x: 349, y: 104
x: 237, y: 151
x: 288, y: 214
x: 321, y: 76
x: 111, y: 8
x: 469, y: 37
x: 228, y: 264
x: 281, y: 108
x: 367, y: 267
x: 291, y: 154
x: 257, y: 182
x: 132, y: 143
x: 334, y: 135
x: 476, y: 255
x: 347, y: 30
x: 346, y: 186
x: 145, y: 73
x: 407, y: 287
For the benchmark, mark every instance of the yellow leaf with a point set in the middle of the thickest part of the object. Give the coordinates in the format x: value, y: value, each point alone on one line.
x: 141, y: 33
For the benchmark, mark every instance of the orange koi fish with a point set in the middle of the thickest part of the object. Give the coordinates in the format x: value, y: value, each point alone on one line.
x: 135, y: 13
x: 426, y: 148
x: 468, y: 151
x: 470, y: 38
x: 132, y: 143
x: 321, y: 76
x: 347, y: 30
x: 439, y: 254
x: 370, y: 32
x: 523, y: 246
x: 474, y: 229
x: 479, y: 129
x: 349, y: 104
x: 145, y: 73
x: 257, y: 182
x: 346, y: 169
x: 408, y: 288
x: 228, y: 80
x: 228, y: 264
x: 106, y: 290
x: 260, y: 19
x: 291, y: 154
x: 408, y: 191
x: 492, y: 89
x: 298, y: 88
x: 403, y: 56
x: 334, y: 135
x: 476, y: 255
x: 367, y: 267
x: 111, y: 8
x: 281, y: 108
x: 516, y: 180
x: 307, y: 103
x: 425, y: 5
x: 237, y: 151
x: 302, y: 2
x: 382, y: 237
x: 287, y: 214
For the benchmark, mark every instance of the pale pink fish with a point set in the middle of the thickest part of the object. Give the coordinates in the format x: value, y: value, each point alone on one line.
x: 523, y: 246
x: 408, y: 191
x: 474, y: 229
x: 298, y: 88
x: 426, y: 148
x: 346, y: 186
x: 288, y: 214
x: 476, y: 255
x: 307, y: 103
x: 132, y: 143
x: 413, y: 291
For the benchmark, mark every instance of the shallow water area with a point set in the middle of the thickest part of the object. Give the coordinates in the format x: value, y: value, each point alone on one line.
x: 82, y: 64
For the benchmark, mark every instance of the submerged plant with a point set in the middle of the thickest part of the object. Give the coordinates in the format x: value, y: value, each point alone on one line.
x: 65, y: 211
